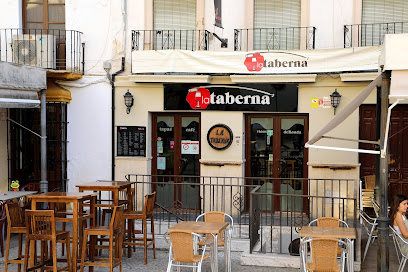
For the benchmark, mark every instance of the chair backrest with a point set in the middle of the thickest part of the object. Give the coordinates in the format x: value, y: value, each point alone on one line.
x: 376, y: 207
x: 116, y: 221
x: 328, y: 222
x: 32, y: 186
x: 324, y: 254
x: 369, y: 182
x: 40, y: 224
x: 13, y: 213
x: 150, y: 199
x: 182, y: 246
x: 215, y: 216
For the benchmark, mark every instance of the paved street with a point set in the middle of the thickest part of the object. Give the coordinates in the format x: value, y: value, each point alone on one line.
x: 136, y: 263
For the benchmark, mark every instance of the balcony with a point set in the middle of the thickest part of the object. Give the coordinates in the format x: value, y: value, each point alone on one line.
x: 170, y: 40
x: 51, y: 49
x: 285, y: 38
x: 371, y: 34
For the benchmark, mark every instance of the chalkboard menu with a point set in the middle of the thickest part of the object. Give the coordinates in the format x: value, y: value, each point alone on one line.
x: 131, y: 141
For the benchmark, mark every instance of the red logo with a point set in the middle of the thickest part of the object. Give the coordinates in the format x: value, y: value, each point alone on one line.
x: 198, y: 98
x: 254, y: 62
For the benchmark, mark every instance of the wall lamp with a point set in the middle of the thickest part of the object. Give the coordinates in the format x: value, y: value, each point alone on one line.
x: 335, y: 100
x: 128, y: 101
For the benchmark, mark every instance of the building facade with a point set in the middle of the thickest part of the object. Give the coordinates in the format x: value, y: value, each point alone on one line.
x: 260, y: 72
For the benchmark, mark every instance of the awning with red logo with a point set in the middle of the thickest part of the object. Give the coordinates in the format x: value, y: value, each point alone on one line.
x: 261, y: 62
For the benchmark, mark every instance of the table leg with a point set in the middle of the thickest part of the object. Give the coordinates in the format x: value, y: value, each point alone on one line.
x: 227, y: 251
x: 75, y: 236
x: 215, y: 253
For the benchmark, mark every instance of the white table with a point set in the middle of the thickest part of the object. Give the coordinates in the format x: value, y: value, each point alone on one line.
x: 10, y: 195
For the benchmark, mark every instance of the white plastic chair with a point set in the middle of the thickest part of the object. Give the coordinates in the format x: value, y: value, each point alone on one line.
x: 398, y: 243
x: 215, y: 216
x: 370, y: 225
x: 182, y: 244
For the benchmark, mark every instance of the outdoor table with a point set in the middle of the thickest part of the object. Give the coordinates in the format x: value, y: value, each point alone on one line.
x: 335, y: 233
x: 213, y: 228
x: 10, y: 195
x: 109, y: 186
x: 69, y: 197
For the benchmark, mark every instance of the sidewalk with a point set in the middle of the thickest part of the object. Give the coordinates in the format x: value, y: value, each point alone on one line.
x: 136, y: 262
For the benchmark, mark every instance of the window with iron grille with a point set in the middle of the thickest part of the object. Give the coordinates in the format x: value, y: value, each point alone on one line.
x: 24, y: 147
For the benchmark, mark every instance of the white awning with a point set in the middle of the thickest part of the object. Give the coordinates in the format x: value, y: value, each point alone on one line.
x: 19, y: 85
x: 346, y: 112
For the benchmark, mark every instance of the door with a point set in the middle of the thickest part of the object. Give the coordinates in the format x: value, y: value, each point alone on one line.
x: 275, y: 149
x: 398, y: 146
x: 176, y: 154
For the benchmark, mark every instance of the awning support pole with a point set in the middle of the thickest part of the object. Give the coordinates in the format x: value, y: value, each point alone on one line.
x: 383, y: 220
x: 43, y: 181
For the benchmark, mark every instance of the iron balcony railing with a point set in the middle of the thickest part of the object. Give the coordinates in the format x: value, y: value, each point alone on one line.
x: 170, y: 39
x: 359, y: 35
x: 285, y: 38
x: 52, y: 49
x: 270, y: 221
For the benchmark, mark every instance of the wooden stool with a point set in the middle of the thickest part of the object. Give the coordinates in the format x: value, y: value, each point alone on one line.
x: 147, y: 212
x: 41, y: 226
x: 15, y: 224
x: 114, y: 232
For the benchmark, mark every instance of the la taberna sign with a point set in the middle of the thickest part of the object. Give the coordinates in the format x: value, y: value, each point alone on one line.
x: 219, y: 137
x: 243, y: 97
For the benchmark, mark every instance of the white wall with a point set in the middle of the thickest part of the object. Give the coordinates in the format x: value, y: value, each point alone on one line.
x: 329, y: 18
x: 10, y: 14
x: 89, y: 134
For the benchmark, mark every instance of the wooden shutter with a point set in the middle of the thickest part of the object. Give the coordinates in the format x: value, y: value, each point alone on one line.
x: 174, y: 14
x: 282, y: 15
x: 178, y: 16
x: 375, y: 16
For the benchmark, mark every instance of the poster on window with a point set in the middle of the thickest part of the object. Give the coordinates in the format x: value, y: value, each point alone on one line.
x: 190, y: 147
x: 217, y: 10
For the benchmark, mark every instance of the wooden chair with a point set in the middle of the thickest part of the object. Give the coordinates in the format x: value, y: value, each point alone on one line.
x: 41, y: 227
x: 323, y: 255
x: 182, y: 246
x: 123, y: 200
x: 32, y: 186
x: 3, y: 219
x: 15, y: 224
x: 146, y: 214
x: 114, y: 231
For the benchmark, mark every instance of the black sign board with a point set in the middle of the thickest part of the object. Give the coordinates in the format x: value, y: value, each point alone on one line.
x: 131, y: 141
x: 242, y: 97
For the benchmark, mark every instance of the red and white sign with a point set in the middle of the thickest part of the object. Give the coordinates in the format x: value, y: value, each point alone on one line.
x: 190, y: 147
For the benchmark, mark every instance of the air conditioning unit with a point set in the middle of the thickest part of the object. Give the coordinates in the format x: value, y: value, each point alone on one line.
x: 35, y: 50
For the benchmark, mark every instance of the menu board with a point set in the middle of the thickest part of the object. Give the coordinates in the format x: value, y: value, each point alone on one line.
x: 131, y: 141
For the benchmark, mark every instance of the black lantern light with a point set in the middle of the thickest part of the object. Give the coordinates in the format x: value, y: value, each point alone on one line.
x: 335, y: 100
x: 128, y: 101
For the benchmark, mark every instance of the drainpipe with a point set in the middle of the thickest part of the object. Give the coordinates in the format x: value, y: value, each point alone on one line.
x: 112, y: 82
x: 43, y: 181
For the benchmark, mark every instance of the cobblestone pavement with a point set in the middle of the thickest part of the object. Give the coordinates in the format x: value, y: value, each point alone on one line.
x: 136, y: 262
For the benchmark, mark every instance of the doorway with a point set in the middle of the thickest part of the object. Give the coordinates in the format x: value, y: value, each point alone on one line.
x: 275, y: 149
x: 176, y: 153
